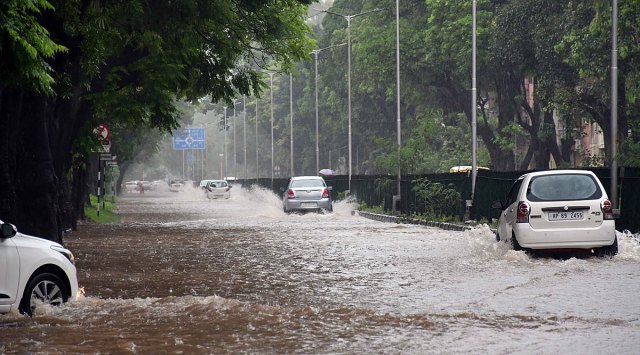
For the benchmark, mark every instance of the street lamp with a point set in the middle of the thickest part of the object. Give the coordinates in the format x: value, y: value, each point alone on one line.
x: 257, y: 163
x: 235, y: 156
x: 225, y: 142
x: 399, y: 192
x: 271, y: 94
x: 348, y: 18
x: 315, y: 56
x: 291, y: 118
x: 244, y: 131
x: 474, y: 144
x: 221, y: 174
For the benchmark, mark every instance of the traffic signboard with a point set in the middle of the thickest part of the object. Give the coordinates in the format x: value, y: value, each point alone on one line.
x: 189, y: 138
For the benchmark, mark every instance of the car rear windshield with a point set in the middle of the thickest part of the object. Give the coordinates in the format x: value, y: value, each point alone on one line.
x: 563, y: 187
x: 307, y: 183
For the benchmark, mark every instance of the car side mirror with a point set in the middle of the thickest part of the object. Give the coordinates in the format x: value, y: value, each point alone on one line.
x: 8, y: 230
x: 497, y: 205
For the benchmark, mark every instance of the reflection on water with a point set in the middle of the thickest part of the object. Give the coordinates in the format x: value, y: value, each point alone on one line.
x: 183, y: 274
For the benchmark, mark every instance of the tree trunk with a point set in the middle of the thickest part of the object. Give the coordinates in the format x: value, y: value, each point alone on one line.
x: 36, y: 209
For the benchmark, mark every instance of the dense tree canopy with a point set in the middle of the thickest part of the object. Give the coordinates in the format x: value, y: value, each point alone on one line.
x: 69, y: 65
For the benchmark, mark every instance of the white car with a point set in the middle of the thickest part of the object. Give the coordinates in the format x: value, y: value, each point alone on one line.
x: 176, y: 185
x: 307, y: 193
x: 558, y: 210
x: 218, y: 189
x: 34, y: 271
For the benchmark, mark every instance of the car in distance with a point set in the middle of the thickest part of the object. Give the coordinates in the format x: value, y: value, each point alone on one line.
x: 558, y: 210
x: 203, y: 184
x: 176, y: 185
x: 307, y: 193
x: 218, y: 189
x: 33, y: 271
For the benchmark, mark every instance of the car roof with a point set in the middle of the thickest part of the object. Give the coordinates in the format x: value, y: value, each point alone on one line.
x: 558, y: 172
x: 306, y: 178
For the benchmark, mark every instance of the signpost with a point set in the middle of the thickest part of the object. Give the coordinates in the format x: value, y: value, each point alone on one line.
x: 103, y: 134
x: 189, y: 138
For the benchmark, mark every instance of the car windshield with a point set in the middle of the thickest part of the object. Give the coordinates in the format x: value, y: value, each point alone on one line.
x: 563, y: 187
x: 307, y: 183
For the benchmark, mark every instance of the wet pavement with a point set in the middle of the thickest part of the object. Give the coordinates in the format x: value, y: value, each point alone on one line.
x: 183, y: 274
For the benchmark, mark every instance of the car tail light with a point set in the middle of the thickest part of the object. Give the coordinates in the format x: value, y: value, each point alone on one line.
x: 607, y: 209
x: 523, y: 212
x: 291, y: 194
x: 325, y: 193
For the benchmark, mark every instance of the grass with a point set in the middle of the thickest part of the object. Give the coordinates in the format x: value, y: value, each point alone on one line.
x: 106, y: 211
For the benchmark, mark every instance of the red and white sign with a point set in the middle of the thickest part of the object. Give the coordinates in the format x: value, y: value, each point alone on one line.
x: 102, y: 132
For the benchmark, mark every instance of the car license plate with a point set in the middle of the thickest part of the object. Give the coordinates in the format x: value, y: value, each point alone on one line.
x: 309, y: 204
x: 566, y: 216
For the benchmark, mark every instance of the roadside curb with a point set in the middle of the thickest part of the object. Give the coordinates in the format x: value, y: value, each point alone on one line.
x: 395, y: 219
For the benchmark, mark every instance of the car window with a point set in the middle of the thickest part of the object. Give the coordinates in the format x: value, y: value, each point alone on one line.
x: 307, y: 183
x: 513, y: 193
x: 563, y: 187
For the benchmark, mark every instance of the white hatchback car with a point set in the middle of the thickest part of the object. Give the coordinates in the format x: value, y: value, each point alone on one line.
x: 558, y: 210
x: 218, y: 189
x: 33, y: 271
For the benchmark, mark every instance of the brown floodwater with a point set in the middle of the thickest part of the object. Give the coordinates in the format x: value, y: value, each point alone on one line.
x: 185, y: 275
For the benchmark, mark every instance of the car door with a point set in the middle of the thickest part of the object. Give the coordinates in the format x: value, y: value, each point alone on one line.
x: 9, y: 273
x: 508, y: 214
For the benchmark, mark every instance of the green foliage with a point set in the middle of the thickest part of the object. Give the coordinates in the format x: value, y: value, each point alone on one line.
x: 25, y: 46
x: 438, y: 199
x: 106, y: 215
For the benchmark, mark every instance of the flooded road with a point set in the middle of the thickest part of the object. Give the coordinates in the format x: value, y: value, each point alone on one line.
x: 183, y: 274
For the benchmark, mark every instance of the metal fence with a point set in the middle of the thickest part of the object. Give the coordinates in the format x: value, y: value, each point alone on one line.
x: 376, y: 190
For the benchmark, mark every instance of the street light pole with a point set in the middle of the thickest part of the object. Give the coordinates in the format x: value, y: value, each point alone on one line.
x: 257, y: 163
x: 614, y: 105
x: 244, y: 132
x: 474, y: 147
x: 291, y: 119
x: 348, y: 18
x: 271, y: 94
x: 225, y: 142
x: 399, y: 191
x: 315, y: 56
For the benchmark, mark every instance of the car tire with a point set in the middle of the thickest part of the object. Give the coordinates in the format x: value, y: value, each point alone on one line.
x: 608, y: 251
x: 514, y: 243
x: 46, y: 287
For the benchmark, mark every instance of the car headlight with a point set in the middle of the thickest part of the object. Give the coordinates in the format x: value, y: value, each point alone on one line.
x: 66, y: 252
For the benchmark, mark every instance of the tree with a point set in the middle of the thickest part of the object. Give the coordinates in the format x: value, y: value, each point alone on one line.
x: 128, y: 62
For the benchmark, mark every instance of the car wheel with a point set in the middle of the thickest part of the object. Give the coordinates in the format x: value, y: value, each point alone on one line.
x: 609, y: 251
x: 46, y: 288
x: 514, y: 243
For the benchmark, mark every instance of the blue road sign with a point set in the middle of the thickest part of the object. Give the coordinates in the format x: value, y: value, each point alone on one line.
x: 189, y: 138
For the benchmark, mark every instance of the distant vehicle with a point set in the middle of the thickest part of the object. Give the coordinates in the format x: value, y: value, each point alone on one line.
x: 558, y: 209
x: 231, y: 179
x: 203, y: 184
x: 327, y: 172
x: 146, y: 185
x: 33, y: 271
x: 307, y: 193
x: 160, y: 185
x: 131, y: 186
x: 465, y: 168
x: 176, y: 185
x: 218, y: 189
